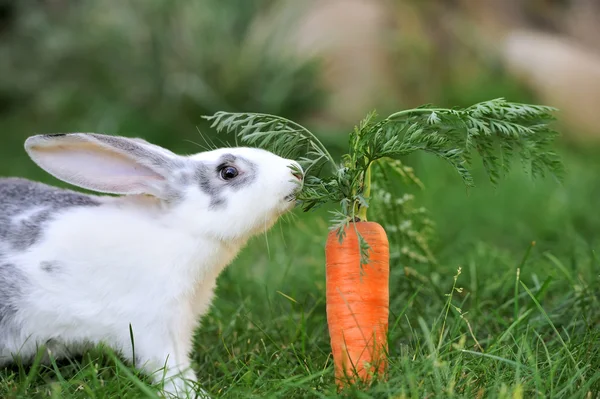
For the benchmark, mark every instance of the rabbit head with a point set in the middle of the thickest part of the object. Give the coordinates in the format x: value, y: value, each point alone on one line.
x: 228, y: 193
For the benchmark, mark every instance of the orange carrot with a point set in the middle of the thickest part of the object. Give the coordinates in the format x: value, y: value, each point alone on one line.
x: 358, y: 302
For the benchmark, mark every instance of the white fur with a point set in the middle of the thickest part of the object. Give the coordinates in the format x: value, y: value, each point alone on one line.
x: 143, y: 261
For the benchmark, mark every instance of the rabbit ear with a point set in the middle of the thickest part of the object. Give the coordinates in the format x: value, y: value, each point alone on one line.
x: 107, y: 164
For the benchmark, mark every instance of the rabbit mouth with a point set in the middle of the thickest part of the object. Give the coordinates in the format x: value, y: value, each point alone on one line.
x: 291, y: 197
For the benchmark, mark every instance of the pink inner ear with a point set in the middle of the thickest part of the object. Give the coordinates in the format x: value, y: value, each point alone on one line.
x: 93, y: 167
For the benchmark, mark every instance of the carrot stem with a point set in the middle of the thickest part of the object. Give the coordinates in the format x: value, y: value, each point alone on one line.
x: 414, y: 111
x: 362, y: 211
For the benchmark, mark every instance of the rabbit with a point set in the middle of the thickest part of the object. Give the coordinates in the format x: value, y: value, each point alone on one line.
x: 79, y: 269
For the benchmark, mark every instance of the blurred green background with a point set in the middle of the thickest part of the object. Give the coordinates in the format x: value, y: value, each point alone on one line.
x: 152, y: 68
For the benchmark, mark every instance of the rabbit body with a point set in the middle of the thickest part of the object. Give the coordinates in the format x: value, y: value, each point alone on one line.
x: 77, y: 269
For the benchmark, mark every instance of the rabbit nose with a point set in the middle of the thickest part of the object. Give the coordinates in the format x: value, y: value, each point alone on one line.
x: 297, y: 171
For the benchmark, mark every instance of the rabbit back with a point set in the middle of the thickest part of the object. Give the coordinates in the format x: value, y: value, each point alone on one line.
x: 25, y: 207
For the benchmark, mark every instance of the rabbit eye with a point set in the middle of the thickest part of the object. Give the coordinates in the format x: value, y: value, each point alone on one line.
x: 228, y: 173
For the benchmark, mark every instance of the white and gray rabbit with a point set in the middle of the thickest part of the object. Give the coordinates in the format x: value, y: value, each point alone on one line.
x: 79, y: 269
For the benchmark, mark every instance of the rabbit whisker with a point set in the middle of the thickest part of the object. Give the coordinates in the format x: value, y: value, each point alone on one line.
x: 211, y: 145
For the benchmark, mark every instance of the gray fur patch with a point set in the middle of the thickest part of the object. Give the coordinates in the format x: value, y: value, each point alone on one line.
x: 209, y: 180
x: 25, y: 206
x: 143, y: 151
x: 50, y: 267
x: 12, y: 284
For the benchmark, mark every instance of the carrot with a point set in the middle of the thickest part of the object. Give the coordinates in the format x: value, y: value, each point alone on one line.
x: 357, y: 299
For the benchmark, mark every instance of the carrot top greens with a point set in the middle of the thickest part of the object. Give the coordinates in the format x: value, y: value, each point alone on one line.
x: 496, y: 130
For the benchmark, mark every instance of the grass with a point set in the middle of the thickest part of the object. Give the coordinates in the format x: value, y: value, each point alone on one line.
x: 497, y: 316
